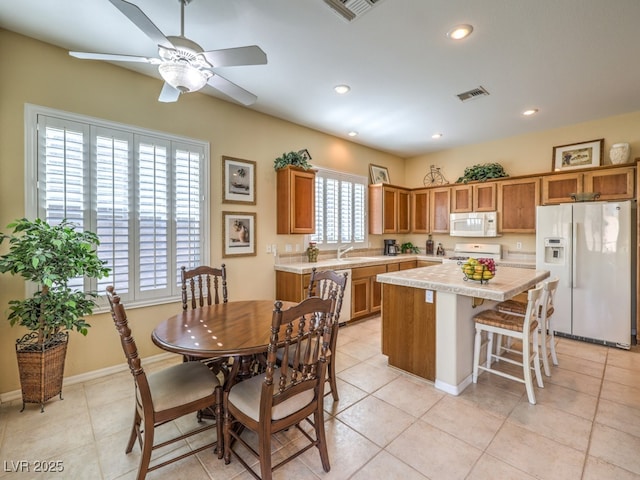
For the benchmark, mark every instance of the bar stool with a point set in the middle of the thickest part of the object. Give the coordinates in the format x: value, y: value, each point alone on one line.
x: 523, y: 328
x: 545, y: 313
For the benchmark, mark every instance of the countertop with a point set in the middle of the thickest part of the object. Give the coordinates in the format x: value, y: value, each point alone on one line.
x: 366, y: 261
x: 448, y: 277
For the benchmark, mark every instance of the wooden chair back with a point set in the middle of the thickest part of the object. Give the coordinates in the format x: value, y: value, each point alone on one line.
x: 304, y: 331
x: 202, y: 284
x: 324, y: 283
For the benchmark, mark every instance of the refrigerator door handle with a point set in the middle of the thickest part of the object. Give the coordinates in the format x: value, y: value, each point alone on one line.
x: 574, y: 264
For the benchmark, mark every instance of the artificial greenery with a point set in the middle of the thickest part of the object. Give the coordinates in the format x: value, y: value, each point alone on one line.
x: 482, y: 172
x: 296, y: 159
x: 409, y: 247
x: 51, y: 256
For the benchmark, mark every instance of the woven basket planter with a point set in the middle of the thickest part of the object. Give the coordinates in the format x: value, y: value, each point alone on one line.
x: 41, y: 367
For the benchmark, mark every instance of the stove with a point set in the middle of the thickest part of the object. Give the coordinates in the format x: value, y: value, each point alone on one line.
x: 462, y: 251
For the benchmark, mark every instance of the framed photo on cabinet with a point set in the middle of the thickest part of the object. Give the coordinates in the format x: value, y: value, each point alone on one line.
x: 239, y: 234
x: 579, y: 155
x: 238, y: 181
x: 378, y: 174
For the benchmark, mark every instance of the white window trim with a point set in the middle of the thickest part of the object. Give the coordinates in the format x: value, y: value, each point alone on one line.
x: 31, y: 113
x: 352, y: 176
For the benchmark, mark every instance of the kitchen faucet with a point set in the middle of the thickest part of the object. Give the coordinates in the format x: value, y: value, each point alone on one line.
x: 342, y: 251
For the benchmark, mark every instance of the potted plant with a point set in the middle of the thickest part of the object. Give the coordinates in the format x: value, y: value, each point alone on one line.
x: 482, y: 173
x: 295, y: 159
x: 50, y: 256
x: 409, y: 247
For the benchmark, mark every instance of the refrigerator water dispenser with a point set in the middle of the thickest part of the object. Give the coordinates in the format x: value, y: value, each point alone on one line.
x: 554, y: 251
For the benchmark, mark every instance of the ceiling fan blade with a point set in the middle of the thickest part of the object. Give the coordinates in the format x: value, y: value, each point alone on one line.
x: 137, y: 16
x: 232, y: 90
x: 169, y: 94
x: 230, y: 57
x: 112, y: 57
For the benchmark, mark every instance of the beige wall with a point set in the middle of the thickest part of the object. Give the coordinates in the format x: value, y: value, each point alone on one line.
x: 45, y: 75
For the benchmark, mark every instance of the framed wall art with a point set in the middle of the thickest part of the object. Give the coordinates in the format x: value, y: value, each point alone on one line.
x: 579, y: 155
x: 379, y: 174
x: 238, y: 181
x: 239, y: 234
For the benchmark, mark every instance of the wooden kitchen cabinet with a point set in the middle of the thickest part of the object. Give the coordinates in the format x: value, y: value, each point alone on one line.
x: 366, y: 292
x: 439, y: 206
x: 612, y: 182
x: 517, y: 201
x: 389, y: 209
x: 420, y: 211
x: 479, y: 197
x: 296, y: 201
x: 292, y: 287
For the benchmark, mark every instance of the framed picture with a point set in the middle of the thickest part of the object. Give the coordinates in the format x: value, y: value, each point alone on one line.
x: 579, y: 155
x: 238, y: 181
x: 239, y: 233
x: 379, y: 174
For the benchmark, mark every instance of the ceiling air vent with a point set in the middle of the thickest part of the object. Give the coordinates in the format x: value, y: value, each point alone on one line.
x: 471, y: 94
x: 349, y: 10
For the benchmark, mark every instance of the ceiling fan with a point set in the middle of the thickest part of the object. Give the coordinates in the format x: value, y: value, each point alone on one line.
x: 183, y: 65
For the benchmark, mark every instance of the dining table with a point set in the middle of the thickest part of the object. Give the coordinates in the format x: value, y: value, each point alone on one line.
x: 240, y: 330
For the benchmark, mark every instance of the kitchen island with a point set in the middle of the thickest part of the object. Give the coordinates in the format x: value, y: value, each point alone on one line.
x: 427, y: 318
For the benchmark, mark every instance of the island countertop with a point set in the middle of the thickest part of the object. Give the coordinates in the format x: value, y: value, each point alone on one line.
x: 448, y: 277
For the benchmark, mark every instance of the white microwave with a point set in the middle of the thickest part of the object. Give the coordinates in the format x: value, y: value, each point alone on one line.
x: 473, y: 224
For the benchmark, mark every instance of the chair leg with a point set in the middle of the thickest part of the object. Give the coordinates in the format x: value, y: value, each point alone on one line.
x: 544, y: 354
x: 332, y: 379
x: 147, y: 447
x: 526, y: 367
x: 134, y: 432
x: 489, y: 348
x: 318, y: 421
x: 476, y: 355
x: 264, y: 450
x: 536, y: 358
x: 219, y: 422
x: 227, y: 437
x: 499, y: 346
x: 552, y: 344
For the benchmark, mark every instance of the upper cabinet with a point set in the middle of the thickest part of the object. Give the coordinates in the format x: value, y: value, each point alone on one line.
x: 480, y: 197
x: 420, y: 211
x: 517, y: 201
x: 439, y: 203
x: 389, y: 209
x: 613, y: 183
x: 296, y: 201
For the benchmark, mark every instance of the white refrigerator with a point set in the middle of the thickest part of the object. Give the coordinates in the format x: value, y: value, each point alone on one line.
x: 590, y: 246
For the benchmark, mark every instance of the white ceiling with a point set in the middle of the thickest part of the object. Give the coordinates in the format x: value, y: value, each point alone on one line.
x: 574, y: 60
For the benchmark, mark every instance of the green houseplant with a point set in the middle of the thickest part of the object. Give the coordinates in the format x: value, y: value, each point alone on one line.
x: 482, y: 173
x: 296, y: 159
x: 49, y: 256
x: 409, y: 247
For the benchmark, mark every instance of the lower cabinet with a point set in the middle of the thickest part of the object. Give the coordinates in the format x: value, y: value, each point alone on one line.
x: 291, y: 287
x: 366, y: 292
x: 409, y: 330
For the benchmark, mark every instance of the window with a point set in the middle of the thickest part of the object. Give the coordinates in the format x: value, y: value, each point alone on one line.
x: 144, y: 193
x: 341, y: 208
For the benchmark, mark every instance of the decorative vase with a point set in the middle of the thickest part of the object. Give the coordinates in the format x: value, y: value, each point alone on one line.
x: 312, y: 252
x: 619, y: 153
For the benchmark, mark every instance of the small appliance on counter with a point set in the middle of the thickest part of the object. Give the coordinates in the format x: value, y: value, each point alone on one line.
x: 391, y: 248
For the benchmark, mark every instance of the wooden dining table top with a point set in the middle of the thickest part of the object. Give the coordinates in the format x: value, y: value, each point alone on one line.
x: 226, y: 329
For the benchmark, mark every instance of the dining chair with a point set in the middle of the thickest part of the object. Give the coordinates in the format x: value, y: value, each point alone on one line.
x: 324, y: 284
x: 197, y: 286
x: 201, y: 286
x: 285, y: 395
x: 166, y: 395
x: 545, y: 319
x: 523, y: 328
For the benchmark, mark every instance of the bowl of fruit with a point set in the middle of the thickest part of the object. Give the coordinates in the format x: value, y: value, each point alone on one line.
x: 479, y: 269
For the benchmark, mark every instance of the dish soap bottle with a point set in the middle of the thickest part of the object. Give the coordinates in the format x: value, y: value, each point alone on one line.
x: 429, y: 248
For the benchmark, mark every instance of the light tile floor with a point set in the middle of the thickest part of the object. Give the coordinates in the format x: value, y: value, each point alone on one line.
x: 387, y: 425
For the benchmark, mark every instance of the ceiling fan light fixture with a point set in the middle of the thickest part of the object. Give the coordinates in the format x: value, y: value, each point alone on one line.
x: 459, y: 32
x: 183, y: 76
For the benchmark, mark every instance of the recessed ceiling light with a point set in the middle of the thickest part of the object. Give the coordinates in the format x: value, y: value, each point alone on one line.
x: 352, y: 133
x: 531, y: 111
x: 459, y: 32
x: 436, y: 135
x: 342, y: 89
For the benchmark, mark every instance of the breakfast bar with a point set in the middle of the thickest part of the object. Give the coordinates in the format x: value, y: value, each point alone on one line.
x: 427, y: 318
